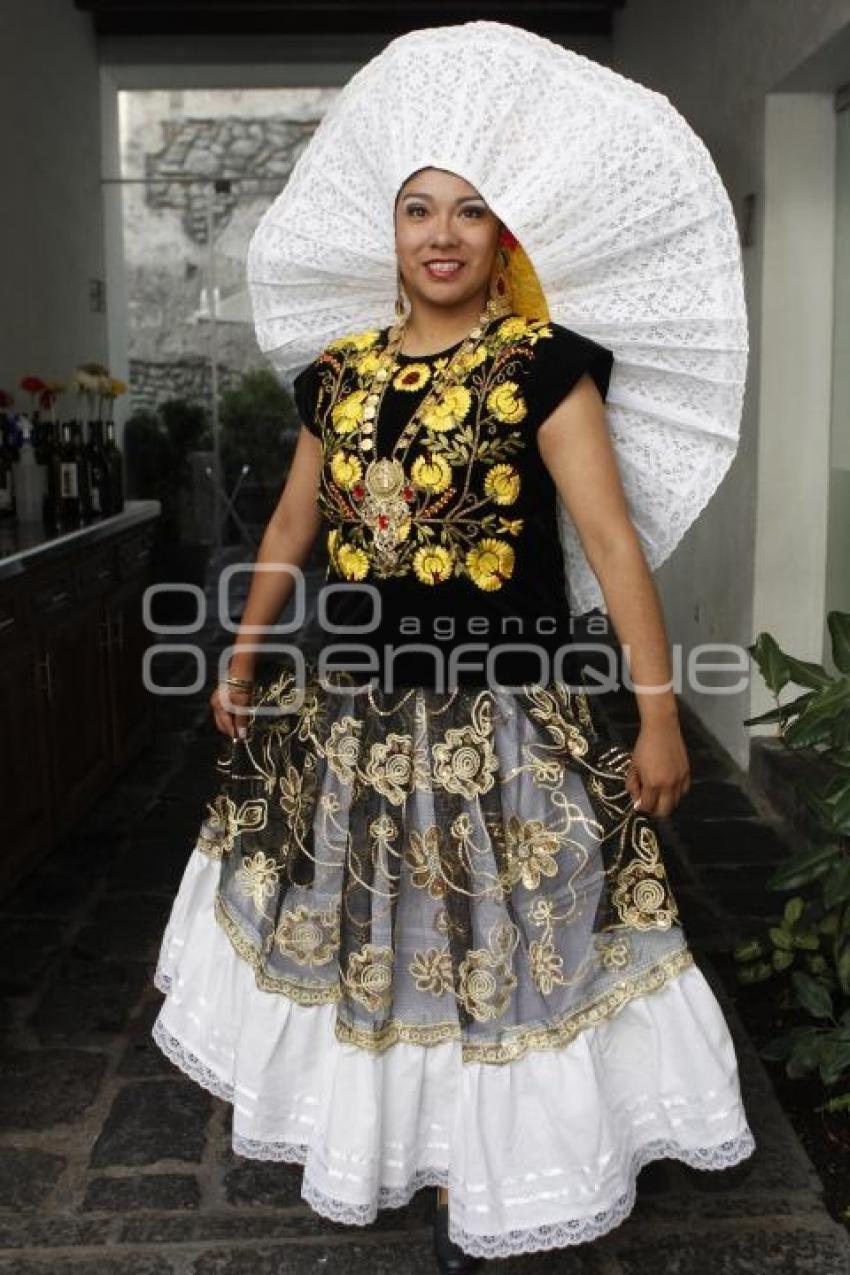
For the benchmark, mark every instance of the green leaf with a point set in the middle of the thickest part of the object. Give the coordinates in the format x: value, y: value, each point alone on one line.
x: 836, y: 884
x: 838, y: 623
x: 807, y: 940
x: 842, y: 967
x: 748, y: 949
x: 781, y: 937
x: 802, y: 868
x: 772, y: 663
x: 782, y: 960
x: 793, y: 910
x: 812, y: 994
x: 757, y: 973
x: 782, y: 711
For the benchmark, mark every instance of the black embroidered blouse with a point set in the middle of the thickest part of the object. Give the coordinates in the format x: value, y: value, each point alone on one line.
x: 476, y: 562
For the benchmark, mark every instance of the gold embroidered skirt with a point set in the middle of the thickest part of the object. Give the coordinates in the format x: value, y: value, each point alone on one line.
x: 424, y: 938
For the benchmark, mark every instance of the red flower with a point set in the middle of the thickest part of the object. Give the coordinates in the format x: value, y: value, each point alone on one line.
x: 358, y: 491
x: 32, y: 384
x: 383, y: 521
x: 407, y: 493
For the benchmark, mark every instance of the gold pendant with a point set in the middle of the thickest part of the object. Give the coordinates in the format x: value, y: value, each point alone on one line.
x: 384, y: 508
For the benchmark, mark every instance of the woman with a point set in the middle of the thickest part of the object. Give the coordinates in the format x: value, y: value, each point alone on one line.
x: 452, y: 895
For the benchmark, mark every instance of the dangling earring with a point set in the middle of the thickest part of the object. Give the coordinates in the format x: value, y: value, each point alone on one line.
x: 400, y: 312
x: 500, y: 300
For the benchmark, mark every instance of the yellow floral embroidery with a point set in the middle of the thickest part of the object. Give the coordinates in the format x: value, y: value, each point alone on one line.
x: 431, y: 473
x: 502, y: 483
x: 346, y: 469
x: 412, y: 376
x: 355, y: 340
x: 459, y: 473
x: 352, y: 562
x: 507, y: 404
x: 490, y: 563
x: 452, y: 407
x: 346, y: 413
x: 433, y: 564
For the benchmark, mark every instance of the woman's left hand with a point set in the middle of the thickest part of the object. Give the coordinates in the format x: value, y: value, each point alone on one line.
x: 659, y: 774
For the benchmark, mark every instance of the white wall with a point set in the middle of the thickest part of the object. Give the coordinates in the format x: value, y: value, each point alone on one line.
x: 717, y: 62
x: 51, y: 227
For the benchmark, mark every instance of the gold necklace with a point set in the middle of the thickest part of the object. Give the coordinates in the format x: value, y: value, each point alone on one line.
x: 382, y: 500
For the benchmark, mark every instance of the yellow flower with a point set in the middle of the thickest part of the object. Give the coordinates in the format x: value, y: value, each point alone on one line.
x: 368, y: 364
x: 471, y: 360
x: 353, y: 562
x: 346, y: 469
x: 502, y: 484
x: 490, y: 563
x: 506, y: 403
x: 450, y: 410
x: 412, y: 377
x: 512, y: 328
x: 433, y: 564
x: 511, y: 526
x: 431, y: 475
x: 331, y: 542
x: 355, y: 340
x: 347, y: 412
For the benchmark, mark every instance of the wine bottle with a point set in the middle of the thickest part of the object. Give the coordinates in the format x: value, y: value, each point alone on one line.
x: 115, y: 462
x: 70, y: 509
x: 97, y: 468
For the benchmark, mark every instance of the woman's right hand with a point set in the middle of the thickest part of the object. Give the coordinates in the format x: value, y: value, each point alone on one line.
x: 230, y: 706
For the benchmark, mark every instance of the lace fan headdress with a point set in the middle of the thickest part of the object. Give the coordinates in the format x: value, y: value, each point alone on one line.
x: 620, y: 214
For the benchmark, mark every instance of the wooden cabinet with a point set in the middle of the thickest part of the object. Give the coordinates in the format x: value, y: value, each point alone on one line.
x: 73, y: 708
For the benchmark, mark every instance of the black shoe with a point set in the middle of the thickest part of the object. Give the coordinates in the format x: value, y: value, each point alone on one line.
x: 451, y: 1258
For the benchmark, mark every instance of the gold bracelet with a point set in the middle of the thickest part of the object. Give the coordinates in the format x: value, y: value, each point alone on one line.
x: 242, y: 683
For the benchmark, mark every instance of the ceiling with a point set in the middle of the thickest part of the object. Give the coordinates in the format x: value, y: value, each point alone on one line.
x: 340, y: 17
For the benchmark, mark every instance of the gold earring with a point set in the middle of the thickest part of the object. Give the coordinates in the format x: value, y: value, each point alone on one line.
x: 500, y: 300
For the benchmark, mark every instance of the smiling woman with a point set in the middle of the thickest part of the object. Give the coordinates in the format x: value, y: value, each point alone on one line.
x: 427, y: 936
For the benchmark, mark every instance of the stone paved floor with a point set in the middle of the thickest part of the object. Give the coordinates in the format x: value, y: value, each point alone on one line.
x: 113, y: 1163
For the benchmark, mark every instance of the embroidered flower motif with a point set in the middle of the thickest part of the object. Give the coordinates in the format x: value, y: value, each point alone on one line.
x: 512, y: 329
x: 423, y: 858
x: 641, y: 897
x: 485, y: 983
x: 432, y: 971
x: 368, y: 364
x: 352, y: 562
x: 490, y: 563
x: 258, y: 878
x: 502, y: 484
x: 308, y: 935
x: 433, y: 564
x: 465, y: 762
x: 451, y: 408
x: 347, y: 412
x: 531, y: 848
x: 506, y: 403
x: 546, y: 966
x: 390, y: 767
x: 431, y: 473
x: 342, y: 748
x: 614, y: 954
x: 412, y: 377
x: 346, y: 469
x: 355, y: 340
x: 511, y: 526
x: 369, y: 976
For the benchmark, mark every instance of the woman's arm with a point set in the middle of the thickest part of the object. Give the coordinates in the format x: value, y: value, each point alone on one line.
x: 576, y: 448
x: 288, y: 538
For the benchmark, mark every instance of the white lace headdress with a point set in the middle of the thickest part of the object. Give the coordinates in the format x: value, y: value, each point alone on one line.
x: 613, y: 197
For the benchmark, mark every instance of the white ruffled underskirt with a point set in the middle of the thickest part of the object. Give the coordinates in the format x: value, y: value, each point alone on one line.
x: 537, y: 1153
